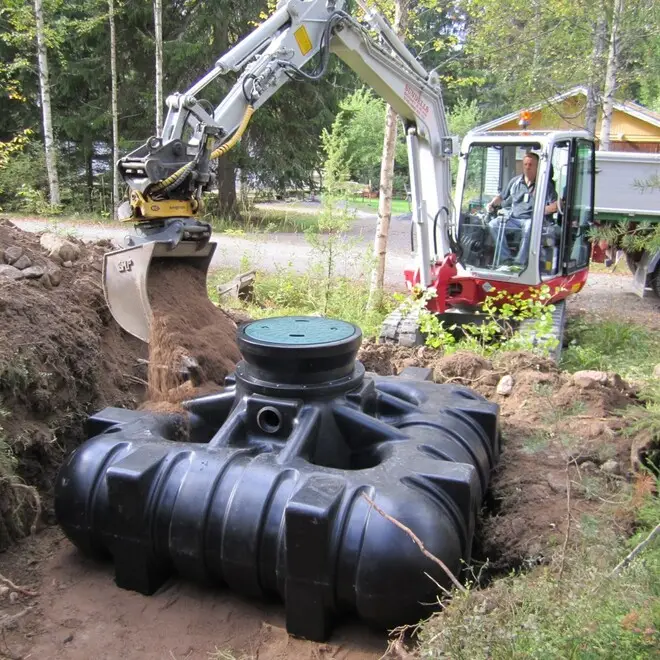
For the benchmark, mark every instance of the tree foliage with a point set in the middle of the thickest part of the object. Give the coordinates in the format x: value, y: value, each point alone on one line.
x: 494, y: 54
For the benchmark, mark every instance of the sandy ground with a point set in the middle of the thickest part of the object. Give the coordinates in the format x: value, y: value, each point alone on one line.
x: 79, y: 614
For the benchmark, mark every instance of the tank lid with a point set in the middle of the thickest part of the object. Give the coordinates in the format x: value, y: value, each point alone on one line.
x: 300, y: 331
x: 301, y: 350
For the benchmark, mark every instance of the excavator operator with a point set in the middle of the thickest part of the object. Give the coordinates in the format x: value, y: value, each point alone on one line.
x: 519, y: 196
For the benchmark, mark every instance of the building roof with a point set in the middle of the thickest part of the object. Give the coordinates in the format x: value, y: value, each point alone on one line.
x: 629, y: 107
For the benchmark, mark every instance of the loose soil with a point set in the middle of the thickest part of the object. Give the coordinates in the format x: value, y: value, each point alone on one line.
x: 79, y: 614
x: 191, y: 339
x: 62, y: 356
x: 556, y: 436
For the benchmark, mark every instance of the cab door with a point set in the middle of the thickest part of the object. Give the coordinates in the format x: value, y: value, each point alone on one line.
x: 577, y: 206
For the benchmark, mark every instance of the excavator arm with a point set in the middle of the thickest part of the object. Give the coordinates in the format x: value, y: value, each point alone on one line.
x: 168, y: 175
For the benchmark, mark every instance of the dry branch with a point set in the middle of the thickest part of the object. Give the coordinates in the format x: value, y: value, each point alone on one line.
x: 418, y: 542
x: 568, y: 524
x: 619, y: 567
x: 21, y: 590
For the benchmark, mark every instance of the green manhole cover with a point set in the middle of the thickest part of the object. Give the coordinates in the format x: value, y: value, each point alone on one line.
x: 300, y: 330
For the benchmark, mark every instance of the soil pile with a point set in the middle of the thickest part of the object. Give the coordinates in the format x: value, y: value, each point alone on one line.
x: 62, y: 356
x: 192, y: 345
x: 559, y: 432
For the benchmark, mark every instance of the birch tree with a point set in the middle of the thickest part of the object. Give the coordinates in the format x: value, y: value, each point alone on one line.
x: 114, y: 107
x: 44, y: 87
x: 158, y: 26
x: 595, y: 73
x: 610, y: 77
x: 401, y: 8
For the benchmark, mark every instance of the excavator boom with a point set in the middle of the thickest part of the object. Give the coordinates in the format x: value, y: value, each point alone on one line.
x: 168, y: 175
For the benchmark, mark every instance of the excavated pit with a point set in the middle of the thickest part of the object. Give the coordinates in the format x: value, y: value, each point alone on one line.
x: 62, y: 356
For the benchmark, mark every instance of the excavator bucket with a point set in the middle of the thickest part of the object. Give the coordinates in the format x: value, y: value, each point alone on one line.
x: 126, y: 278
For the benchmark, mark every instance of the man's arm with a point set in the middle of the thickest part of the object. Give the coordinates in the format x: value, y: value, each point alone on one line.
x: 502, y: 199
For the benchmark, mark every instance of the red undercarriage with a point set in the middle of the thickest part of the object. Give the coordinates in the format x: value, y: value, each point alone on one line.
x: 456, y: 290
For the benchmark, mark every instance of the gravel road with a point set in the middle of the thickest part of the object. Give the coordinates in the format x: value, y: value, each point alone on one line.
x: 609, y: 296
x: 606, y: 295
x: 263, y: 251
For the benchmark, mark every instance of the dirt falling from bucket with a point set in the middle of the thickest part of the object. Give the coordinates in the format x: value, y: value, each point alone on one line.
x: 187, y: 332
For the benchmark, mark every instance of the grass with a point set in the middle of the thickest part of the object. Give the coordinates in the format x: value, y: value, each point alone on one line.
x: 286, y: 292
x: 628, y: 349
x: 399, y: 206
x: 583, y: 611
x: 537, y: 442
x: 261, y: 221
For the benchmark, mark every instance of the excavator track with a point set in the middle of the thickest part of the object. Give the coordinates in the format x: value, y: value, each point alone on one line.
x: 403, y: 329
x: 557, y: 331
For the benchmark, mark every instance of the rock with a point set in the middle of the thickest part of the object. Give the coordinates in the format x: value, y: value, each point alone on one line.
x: 54, y: 273
x: 22, y: 262
x: 505, y: 386
x: 557, y: 482
x: 611, y: 467
x: 67, y: 264
x: 32, y: 273
x: 8, y: 272
x: 45, y: 280
x: 2, y: 256
x: 656, y: 371
x: 588, y: 379
x: 56, y: 259
x: 13, y: 254
x: 56, y: 245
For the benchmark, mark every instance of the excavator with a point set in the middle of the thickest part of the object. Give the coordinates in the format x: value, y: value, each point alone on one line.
x: 463, y: 247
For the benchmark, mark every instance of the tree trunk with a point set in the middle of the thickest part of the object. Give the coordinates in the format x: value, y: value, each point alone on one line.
x: 226, y: 172
x: 44, y: 86
x: 115, y: 112
x: 386, y: 180
x: 226, y: 177
x: 89, y: 173
x: 595, y: 74
x: 610, y: 77
x: 158, y: 25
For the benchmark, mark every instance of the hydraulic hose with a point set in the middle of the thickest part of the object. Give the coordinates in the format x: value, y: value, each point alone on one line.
x: 220, y: 151
x: 435, y: 227
x: 227, y: 146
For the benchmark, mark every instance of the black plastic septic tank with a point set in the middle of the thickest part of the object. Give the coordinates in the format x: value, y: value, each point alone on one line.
x: 265, y: 492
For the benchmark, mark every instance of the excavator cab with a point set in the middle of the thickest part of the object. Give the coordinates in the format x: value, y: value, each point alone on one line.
x: 524, y: 229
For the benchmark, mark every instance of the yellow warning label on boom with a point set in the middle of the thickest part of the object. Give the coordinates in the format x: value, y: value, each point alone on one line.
x: 303, y: 40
